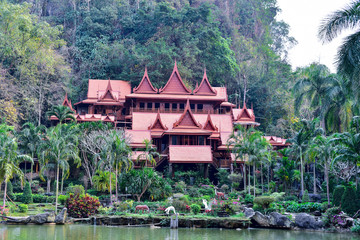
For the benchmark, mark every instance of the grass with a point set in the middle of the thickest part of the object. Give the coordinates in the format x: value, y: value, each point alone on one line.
x: 33, y: 209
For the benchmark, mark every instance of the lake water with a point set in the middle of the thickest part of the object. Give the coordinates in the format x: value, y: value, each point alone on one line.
x: 88, y: 232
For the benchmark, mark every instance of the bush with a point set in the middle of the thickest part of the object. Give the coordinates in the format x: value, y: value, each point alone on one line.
x: 224, y: 188
x: 330, y: 215
x: 195, y: 208
x: 249, y: 198
x: 193, y: 192
x: 264, y: 201
x: 9, y: 191
x: 305, y: 197
x: 76, y: 190
x: 62, y: 199
x: 278, y: 196
x: 180, y: 187
x: 207, y: 190
x: 337, y: 195
x: 348, y: 204
x: 356, y: 226
x: 27, y: 196
x: 40, y: 198
x: 81, y: 206
x: 303, y: 207
x: 23, y: 208
x: 290, y: 198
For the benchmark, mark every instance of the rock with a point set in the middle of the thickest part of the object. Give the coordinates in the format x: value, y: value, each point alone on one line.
x: 260, y: 219
x: 278, y: 220
x: 249, y: 212
x: 42, y: 218
x: 18, y: 220
x: 317, y: 213
x: 303, y: 220
x: 61, y: 217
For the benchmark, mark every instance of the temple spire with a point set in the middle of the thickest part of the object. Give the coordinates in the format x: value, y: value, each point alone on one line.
x: 145, y: 86
x: 205, y: 87
x: 175, y: 85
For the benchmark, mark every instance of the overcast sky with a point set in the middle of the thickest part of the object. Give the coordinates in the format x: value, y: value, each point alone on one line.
x: 304, y: 18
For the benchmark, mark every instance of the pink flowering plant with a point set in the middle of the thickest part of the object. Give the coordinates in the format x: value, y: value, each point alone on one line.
x: 82, y: 206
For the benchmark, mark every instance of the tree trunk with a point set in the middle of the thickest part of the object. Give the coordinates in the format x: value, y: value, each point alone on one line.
x: 249, y: 180
x: 244, y: 168
x: 254, y: 177
x: 110, y: 187
x: 314, y: 177
x: 327, y: 183
x: 116, y: 182
x: 48, y: 185
x: 62, y: 181
x: 57, y: 188
x: 301, y: 172
x: 4, y: 193
x: 262, y: 178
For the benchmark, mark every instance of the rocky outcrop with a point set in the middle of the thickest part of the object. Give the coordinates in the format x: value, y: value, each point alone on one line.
x: 260, y: 219
x: 306, y: 221
x: 278, y: 220
x: 249, y: 212
x: 61, y: 217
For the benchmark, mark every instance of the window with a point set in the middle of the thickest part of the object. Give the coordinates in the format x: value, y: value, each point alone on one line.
x: 174, y: 140
x: 201, y: 140
x: 192, y: 106
x: 174, y: 106
x: 149, y: 105
x: 157, y: 105
x: 181, y: 106
x: 200, y: 107
x: 142, y: 105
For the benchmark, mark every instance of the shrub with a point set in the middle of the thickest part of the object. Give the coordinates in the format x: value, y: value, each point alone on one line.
x: 224, y: 188
x: 23, y: 208
x: 329, y: 215
x: 207, y: 190
x: 249, y: 198
x: 9, y: 191
x: 125, y: 206
x: 195, y: 208
x: 348, y: 204
x: 27, y: 196
x: 337, y: 195
x: 180, y: 187
x: 305, y: 197
x: 356, y: 227
x: 290, y: 198
x: 278, y: 196
x: 76, y: 190
x: 40, y: 198
x: 302, y: 207
x: 193, y: 192
x: 62, y: 199
x: 81, y: 206
x: 264, y: 201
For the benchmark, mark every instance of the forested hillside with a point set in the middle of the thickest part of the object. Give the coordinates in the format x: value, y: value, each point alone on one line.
x: 48, y: 47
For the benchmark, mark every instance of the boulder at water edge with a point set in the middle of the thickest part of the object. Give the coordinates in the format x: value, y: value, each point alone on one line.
x: 249, y: 212
x: 303, y: 220
x: 278, y: 220
x: 42, y: 218
x: 61, y: 217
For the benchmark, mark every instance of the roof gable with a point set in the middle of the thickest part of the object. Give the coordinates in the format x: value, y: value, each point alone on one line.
x: 67, y: 102
x: 108, y: 95
x: 158, y: 125
x: 209, y: 125
x: 175, y: 85
x: 187, y: 119
x: 205, y: 88
x: 245, y: 115
x: 145, y: 85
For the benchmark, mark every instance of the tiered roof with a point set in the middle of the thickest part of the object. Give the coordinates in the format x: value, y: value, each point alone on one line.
x: 205, y: 88
x: 175, y: 85
x: 67, y: 102
x: 157, y: 128
x: 244, y: 116
x: 108, y: 95
x: 145, y: 85
x: 187, y: 119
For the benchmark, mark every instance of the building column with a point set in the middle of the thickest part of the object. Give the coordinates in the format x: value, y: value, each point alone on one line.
x: 206, y: 170
x: 170, y: 170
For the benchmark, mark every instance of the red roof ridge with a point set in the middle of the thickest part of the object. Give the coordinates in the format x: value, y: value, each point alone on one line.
x: 67, y: 102
x: 244, y: 114
x: 175, y: 87
x: 209, y: 125
x: 188, y: 118
x: 145, y: 85
x: 158, y: 123
x: 205, y: 87
x: 108, y: 91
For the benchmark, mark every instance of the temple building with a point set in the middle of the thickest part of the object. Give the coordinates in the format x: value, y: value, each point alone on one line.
x: 186, y: 126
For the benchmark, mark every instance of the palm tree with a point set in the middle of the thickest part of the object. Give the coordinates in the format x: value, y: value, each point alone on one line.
x: 9, y: 158
x: 63, y: 113
x: 347, y: 145
x: 322, y: 147
x: 286, y: 171
x: 300, y: 142
x: 102, y: 180
x: 30, y: 139
x: 59, y: 147
x: 313, y: 84
x: 348, y: 56
x: 149, y: 153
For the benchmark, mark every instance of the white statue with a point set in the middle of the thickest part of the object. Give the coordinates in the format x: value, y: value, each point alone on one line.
x: 207, y: 208
x: 171, y: 208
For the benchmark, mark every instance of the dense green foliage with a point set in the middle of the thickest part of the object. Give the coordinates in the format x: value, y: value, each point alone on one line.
x: 27, y: 195
x: 305, y: 197
x: 9, y: 191
x: 337, y: 195
x: 348, y: 201
x: 195, y: 208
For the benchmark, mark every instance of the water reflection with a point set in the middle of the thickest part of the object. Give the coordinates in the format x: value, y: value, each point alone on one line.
x: 91, y: 232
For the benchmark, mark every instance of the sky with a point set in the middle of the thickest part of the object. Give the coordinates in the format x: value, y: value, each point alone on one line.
x: 304, y: 18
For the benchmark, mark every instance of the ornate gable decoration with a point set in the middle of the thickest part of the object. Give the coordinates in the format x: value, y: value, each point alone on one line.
x: 187, y: 119
x: 145, y: 85
x: 245, y: 115
x: 205, y: 88
x: 108, y: 95
x: 107, y: 119
x: 67, y: 103
x: 175, y: 85
x: 209, y: 125
x: 158, y: 125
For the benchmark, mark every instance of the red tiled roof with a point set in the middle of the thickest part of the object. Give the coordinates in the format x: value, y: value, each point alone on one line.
x: 227, y: 104
x: 145, y: 85
x: 276, y: 141
x: 205, y: 88
x: 137, y: 137
x: 187, y: 119
x: 94, y: 118
x: 209, y: 124
x: 97, y: 88
x: 108, y: 95
x: 67, y: 102
x: 158, y: 125
x: 190, y: 154
x: 175, y: 85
